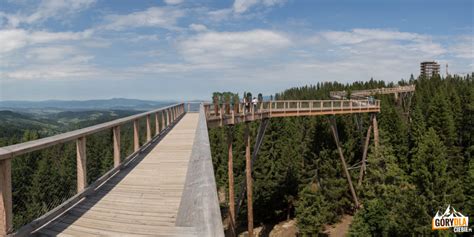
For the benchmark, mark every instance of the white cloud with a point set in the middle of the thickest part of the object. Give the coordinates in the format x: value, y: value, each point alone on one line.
x: 221, y: 14
x: 241, y: 6
x: 363, y: 35
x: 45, y: 10
x: 464, y: 48
x: 197, y: 27
x: 163, y: 17
x: 53, y: 72
x: 224, y: 46
x: 173, y: 2
x: 12, y: 39
x: 51, y: 53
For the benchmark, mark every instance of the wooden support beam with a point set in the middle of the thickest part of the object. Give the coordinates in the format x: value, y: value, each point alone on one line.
x: 364, y: 154
x: 116, y: 137
x: 376, y: 134
x: 258, y: 143
x: 6, y: 209
x: 136, y: 138
x: 248, y: 172
x: 81, y: 164
x: 343, y: 161
x: 230, y: 172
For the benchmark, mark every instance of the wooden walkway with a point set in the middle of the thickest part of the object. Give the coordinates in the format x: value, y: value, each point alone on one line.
x: 142, y: 199
x: 220, y: 115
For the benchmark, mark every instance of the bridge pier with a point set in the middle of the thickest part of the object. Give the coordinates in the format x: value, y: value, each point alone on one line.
x: 376, y: 134
x: 343, y: 161
x: 364, y: 154
x: 230, y: 172
x: 248, y: 172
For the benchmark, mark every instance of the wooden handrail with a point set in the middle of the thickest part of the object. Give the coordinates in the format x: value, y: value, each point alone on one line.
x: 11, y: 151
x: 388, y: 90
x: 288, y: 108
x: 7, y: 153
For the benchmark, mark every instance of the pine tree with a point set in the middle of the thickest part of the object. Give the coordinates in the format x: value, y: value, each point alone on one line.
x: 429, y: 171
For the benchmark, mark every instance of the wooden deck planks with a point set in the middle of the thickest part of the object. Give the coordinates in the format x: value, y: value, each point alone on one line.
x: 140, y: 200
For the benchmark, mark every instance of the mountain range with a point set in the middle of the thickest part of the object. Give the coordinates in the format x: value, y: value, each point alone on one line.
x: 115, y: 103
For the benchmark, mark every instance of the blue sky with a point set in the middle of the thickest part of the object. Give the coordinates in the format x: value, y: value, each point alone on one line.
x: 181, y: 49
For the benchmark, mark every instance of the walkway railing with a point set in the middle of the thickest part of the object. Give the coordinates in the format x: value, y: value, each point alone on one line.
x: 218, y: 115
x: 370, y: 92
x: 165, y: 117
x: 199, y: 205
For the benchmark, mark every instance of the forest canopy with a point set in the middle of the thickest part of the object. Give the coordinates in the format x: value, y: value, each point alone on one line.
x: 424, y: 162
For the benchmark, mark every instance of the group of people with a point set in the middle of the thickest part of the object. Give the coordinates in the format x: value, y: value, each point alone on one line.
x: 248, y: 102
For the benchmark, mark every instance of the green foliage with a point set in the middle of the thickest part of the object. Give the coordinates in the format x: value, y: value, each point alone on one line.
x: 44, y: 179
x: 424, y: 161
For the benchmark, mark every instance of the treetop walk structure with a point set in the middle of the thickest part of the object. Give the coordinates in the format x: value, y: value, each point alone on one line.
x: 396, y: 91
x: 166, y: 186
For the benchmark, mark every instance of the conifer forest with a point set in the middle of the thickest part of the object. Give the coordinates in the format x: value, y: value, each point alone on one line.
x: 425, y: 161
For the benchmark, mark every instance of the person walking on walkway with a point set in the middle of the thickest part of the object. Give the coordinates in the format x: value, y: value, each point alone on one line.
x: 254, y: 103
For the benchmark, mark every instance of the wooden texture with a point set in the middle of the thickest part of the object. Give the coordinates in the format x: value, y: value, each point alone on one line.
x: 136, y: 135
x: 291, y: 108
x: 364, y: 155
x: 248, y: 173
x: 142, y: 199
x: 157, y: 124
x: 376, y: 134
x: 199, y: 206
x: 6, y: 215
x: 116, y: 138
x: 148, y: 128
x: 230, y: 172
x: 377, y: 91
x: 81, y: 164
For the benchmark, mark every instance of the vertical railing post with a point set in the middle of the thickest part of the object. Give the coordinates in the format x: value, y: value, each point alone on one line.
x: 116, y: 132
x: 136, y: 142
x: 168, y: 112
x: 148, y: 128
x: 157, y: 124
x: 163, y: 120
x: 6, y: 209
x: 81, y: 161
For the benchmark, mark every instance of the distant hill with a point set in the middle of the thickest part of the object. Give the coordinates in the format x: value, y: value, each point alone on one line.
x: 14, y: 124
x: 110, y: 104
